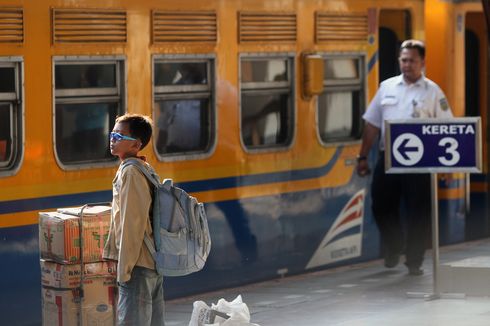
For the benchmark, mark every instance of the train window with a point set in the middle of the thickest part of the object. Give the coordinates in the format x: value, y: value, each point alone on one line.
x: 7, y: 79
x: 88, y: 97
x: 79, y: 76
x: 340, y: 106
x: 267, y: 110
x: 5, y: 133
x: 10, y: 115
x: 184, y: 106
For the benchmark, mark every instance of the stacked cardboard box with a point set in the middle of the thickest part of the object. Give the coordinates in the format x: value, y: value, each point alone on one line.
x: 64, y: 300
x: 59, y: 234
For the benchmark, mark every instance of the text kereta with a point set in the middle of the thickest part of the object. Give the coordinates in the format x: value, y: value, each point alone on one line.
x: 448, y: 130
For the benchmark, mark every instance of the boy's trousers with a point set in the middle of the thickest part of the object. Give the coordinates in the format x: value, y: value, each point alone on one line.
x: 141, y: 299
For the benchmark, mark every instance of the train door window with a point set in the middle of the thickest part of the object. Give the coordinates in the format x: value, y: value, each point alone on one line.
x: 88, y: 97
x: 11, y: 133
x: 341, y: 104
x: 184, y: 106
x: 266, y: 95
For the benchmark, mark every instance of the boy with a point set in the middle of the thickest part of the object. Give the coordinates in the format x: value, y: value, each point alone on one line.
x: 140, y: 287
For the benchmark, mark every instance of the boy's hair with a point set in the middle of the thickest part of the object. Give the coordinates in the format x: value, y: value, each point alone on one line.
x: 414, y: 44
x: 140, y: 126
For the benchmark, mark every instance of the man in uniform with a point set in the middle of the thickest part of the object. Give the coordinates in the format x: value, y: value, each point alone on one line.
x: 407, y: 96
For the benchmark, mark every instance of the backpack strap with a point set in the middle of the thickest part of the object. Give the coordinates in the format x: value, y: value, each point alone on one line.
x: 152, y: 176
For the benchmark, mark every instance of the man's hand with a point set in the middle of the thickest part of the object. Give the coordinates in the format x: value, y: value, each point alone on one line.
x: 447, y: 178
x: 363, y: 168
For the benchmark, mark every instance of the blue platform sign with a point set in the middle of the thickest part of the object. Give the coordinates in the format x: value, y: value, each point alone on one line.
x: 433, y: 146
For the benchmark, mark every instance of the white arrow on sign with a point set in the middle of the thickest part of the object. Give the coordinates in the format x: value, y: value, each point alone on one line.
x: 408, y: 149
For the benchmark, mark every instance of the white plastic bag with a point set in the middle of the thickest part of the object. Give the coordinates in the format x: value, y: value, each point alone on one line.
x: 224, y: 313
x: 236, y: 309
x: 201, y: 314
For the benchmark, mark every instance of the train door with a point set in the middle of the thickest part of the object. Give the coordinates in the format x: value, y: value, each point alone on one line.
x: 394, y: 28
x: 476, y: 104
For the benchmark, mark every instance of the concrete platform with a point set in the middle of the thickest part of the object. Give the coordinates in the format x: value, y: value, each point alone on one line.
x: 360, y: 295
x: 470, y: 276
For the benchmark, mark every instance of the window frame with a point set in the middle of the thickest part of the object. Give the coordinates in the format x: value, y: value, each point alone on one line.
x: 275, y: 86
x: 176, y: 92
x: 89, y: 95
x: 354, y: 84
x: 17, y: 107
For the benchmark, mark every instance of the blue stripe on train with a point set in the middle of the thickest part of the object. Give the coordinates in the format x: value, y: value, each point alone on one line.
x: 372, y: 61
x: 25, y: 205
x: 263, y: 178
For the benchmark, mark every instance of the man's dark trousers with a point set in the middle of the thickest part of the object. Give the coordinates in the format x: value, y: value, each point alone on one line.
x: 387, y: 193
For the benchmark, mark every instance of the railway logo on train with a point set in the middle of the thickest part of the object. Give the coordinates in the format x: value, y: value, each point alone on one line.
x: 344, y: 238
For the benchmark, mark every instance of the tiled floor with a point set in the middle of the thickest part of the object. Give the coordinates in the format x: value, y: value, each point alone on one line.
x: 365, y: 294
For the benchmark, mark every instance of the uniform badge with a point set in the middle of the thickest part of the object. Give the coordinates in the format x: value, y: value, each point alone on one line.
x: 443, y: 103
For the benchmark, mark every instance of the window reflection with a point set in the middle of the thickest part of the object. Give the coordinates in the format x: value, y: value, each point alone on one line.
x: 183, y: 126
x: 85, y: 76
x: 336, y: 115
x: 5, y: 133
x: 265, y: 119
x: 340, y: 106
x: 184, y: 106
x: 266, y: 102
x: 341, y: 69
x: 82, y: 131
x: 11, y: 115
x: 7, y: 79
x: 181, y: 73
x: 88, y: 100
x: 264, y: 71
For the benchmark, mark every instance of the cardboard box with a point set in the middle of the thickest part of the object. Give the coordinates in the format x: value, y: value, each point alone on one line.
x: 61, y: 306
x: 59, y: 237
x: 68, y: 276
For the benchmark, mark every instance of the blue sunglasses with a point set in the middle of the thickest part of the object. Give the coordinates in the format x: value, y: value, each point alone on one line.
x: 117, y: 136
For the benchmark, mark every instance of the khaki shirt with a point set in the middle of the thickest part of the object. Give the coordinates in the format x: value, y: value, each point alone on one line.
x: 130, y: 219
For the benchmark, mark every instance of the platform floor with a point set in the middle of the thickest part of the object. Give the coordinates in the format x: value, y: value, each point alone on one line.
x: 364, y: 294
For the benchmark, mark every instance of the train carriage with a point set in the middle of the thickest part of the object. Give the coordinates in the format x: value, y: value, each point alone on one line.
x: 257, y: 109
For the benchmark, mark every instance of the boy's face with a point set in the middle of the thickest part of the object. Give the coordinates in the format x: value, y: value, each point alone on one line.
x: 124, y: 148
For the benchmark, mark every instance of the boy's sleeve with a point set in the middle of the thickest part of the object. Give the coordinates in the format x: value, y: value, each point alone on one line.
x: 135, y: 201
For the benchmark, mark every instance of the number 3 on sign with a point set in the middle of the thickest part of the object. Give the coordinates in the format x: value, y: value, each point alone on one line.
x: 451, y: 146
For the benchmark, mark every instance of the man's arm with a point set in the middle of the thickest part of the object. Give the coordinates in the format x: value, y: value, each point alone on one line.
x: 368, y: 137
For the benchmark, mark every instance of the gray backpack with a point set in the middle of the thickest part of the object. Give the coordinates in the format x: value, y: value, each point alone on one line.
x: 180, y: 227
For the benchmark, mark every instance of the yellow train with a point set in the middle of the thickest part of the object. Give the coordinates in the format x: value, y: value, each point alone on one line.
x: 257, y: 110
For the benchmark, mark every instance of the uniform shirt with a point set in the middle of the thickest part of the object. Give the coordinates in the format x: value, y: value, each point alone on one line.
x: 130, y: 219
x: 396, y: 99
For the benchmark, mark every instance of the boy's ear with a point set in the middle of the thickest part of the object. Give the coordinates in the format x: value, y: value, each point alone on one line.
x: 138, y: 144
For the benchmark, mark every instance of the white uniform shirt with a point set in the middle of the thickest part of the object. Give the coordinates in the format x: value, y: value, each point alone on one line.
x: 396, y: 99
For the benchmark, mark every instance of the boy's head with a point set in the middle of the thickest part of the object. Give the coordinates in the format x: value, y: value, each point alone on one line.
x: 139, y: 127
x: 131, y: 133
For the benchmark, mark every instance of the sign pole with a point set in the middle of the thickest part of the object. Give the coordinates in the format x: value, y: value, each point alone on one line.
x: 436, y: 293
x: 435, y: 235
x: 433, y: 146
